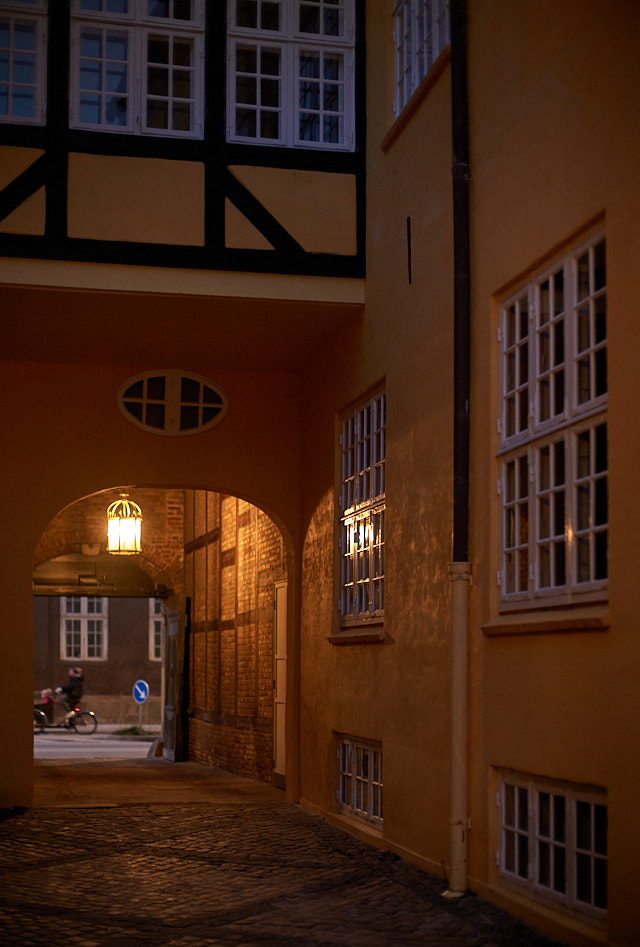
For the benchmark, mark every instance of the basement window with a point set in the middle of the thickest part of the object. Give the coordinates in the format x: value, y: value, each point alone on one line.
x: 171, y: 402
x: 360, y: 779
x: 553, y: 842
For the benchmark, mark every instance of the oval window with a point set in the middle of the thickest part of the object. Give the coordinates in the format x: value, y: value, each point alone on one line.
x: 172, y: 402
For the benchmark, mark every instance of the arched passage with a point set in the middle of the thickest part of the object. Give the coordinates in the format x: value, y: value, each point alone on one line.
x: 215, y: 564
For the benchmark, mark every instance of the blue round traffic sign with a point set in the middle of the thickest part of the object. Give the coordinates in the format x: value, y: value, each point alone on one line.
x: 140, y: 691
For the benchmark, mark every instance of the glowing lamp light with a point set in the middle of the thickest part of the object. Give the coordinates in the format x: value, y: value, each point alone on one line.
x: 124, y: 527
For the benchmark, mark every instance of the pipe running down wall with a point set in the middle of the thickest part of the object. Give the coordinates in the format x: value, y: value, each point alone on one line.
x: 458, y: 812
x: 459, y: 568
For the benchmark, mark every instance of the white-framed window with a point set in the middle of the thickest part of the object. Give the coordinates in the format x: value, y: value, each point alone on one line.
x: 553, y: 842
x: 156, y: 629
x: 171, y: 402
x: 553, y: 433
x: 363, y: 445
x: 421, y: 32
x: 290, y: 73
x: 23, y: 44
x: 84, y: 626
x: 137, y: 66
x: 360, y: 779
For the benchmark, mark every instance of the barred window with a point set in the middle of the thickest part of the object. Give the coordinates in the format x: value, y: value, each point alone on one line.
x: 553, y: 426
x: 553, y: 841
x: 363, y: 505
x: 360, y: 779
x: 421, y: 32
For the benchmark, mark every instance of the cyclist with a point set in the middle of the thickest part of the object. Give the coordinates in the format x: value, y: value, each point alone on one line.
x: 73, y: 691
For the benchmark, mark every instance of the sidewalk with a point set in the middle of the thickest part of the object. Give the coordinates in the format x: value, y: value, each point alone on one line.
x: 181, y: 855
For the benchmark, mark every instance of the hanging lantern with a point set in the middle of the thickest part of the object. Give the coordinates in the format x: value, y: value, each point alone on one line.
x: 124, y: 526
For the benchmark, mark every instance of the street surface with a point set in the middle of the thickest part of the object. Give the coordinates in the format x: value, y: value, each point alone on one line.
x: 62, y: 745
x: 146, y: 853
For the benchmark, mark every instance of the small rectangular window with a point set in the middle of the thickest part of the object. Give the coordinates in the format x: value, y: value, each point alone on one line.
x: 554, y: 842
x: 360, y: 779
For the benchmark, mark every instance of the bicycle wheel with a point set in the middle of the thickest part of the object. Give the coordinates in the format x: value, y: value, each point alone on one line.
x: 85, y: 722
x: 38, y: 722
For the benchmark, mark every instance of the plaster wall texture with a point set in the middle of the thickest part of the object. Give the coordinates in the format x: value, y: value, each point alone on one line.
x: 395, y: 692
x: 555, y: 704
x: 60, y: 431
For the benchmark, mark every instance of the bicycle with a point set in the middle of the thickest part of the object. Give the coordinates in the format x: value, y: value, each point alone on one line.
x: 80, y: 721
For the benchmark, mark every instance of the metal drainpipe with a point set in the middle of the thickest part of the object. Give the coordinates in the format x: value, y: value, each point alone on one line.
x: 459, y: 568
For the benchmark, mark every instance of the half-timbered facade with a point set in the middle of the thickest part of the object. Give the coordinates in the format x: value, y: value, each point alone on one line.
x: 198, y: 135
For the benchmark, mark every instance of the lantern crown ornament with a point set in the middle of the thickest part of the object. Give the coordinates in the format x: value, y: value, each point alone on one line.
x: 124, y: 527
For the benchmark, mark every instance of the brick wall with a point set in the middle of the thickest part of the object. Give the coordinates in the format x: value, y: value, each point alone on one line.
x: 84, y: 524
x: 108, y: 683
x: 233, y: 556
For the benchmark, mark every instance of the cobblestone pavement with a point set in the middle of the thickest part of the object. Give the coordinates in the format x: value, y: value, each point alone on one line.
x: 257, y: 872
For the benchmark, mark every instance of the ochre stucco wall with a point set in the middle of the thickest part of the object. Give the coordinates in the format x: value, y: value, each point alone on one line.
x: 136, y: 199
x: 396, y: 692
x: 556, y: 157
x: 64, y: 438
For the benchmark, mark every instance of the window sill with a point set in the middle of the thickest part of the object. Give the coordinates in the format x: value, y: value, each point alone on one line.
x: 368, y: 634
x: 550, y: 621
x: 416, y: 99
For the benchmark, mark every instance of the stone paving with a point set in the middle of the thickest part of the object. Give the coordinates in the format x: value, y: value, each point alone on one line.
x: 253, y: 871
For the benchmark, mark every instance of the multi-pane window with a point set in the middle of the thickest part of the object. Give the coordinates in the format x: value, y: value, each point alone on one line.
x: 363, y: 505
x: 172, y: 402
x: 156, y: 629
x: 23, y: 28
x: 291, y: 73
x: 360, y: 779
x: 553, y: 428
x: 421, y: 32
x: 137, y: 66
x: 554, y: 841
x: 83, y: 628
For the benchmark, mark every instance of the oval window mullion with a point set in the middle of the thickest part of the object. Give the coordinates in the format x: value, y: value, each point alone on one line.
x: 165, y: 390
x: 173, y: 403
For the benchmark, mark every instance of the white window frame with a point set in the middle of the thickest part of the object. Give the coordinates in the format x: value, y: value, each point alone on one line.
x: 363, y: 505
x: 34, y: 12
x: 156, y: 629
x: 289, y: 42
x: 167, y: 412
x: 78, y: 616
x: 360, y: 785
x: 421, y: 31
x: 139, y: 27
x: 547, y: 849
x: 553, y: 433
